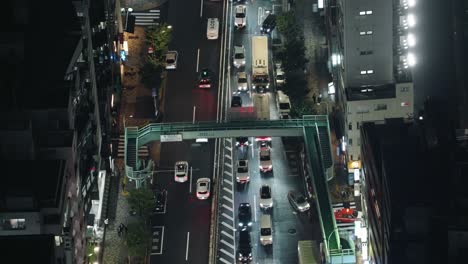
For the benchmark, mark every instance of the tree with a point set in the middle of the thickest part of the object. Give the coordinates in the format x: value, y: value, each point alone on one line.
x: 142, y: 200
x: 159, y: 37
x: 150, y: 73
x: 300, y: 108
x: 137, y: 239
x: 287, y: 25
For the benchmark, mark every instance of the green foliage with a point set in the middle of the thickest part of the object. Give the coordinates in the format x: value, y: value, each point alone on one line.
x: 150, y: 73
x: 159, y: 37
x: 300, y: 108
x: 296, y: 86
x: 142, y: 200
x: 137, y: 239
x: 287, y: 25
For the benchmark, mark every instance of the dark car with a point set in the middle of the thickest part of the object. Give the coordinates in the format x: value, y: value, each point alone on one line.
x: 242, y: 141
x: 268, y: 24
x: 205, y: 79
x: 245, y: 216
x: 236, y: 101
x: 244, y: 252
x: 160, y: 198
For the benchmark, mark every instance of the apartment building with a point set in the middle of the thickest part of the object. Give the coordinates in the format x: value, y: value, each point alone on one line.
x: 55, y: 128
x: 368, y: 64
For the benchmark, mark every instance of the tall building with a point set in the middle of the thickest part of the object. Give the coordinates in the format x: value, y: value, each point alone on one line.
x: 415, y: 209
x: 368, y: 48
x: 55, y: 127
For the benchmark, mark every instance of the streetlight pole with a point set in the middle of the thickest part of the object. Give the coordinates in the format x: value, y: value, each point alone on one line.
x: 126, y: 10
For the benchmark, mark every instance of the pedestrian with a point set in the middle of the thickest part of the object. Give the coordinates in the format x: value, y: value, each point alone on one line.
x: 314, y: 97
x: 320, y: 98
x: 119, y: 231
x: 126, y: 229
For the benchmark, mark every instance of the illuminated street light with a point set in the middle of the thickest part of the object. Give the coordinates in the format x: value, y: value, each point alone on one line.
x: 411, y: 3
x: 411, y: 20
x: 411, y: 59
x: 411, y: 40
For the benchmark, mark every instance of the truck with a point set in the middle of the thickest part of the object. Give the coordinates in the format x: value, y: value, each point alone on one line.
x: 283, y: 104
x: 308, y: 252
x: 261, y: 104
x: 260, y: 76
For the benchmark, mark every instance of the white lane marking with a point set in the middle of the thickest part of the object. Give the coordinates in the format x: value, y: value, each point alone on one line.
x: 193, y: 114
x: 227, y: 234
x: 259, y: 15
x: 227, y: 198
x: 227, y: 244
x: 227, y: 181
x: 227, y: 216
x: 223, y: 260
x: 255, y: 207
x: 162, y: 241
x: 227, y: 207
x: 191, y: 179
x: 227, y: 190
x: 198, y: 59
x: 228, y: 148
x: 186, y: 250
x: 227, y: 156
x: 201, y: 8
x: 227, y: 225
x: 228, y: 164
x: 228, y: 173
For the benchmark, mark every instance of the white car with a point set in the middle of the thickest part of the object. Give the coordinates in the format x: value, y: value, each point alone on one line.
x: 242, y: 83
x: 239, y: 56
x: 171, y: 60
x: 240, y: 17
x: 203, y: 188
x: 279, y: 75
x: 266, y: 201
x: 242, y: 175
x: 266, y: 164
x: 181, y: 171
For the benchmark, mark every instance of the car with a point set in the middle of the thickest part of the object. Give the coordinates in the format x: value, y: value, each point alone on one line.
x: 279, y: 75
x: 298, y: 201
x: 171, y: 60
x: 266, y: 164
x: 263, y: 140
x: 212, y: 30
x: 160, y: 197
x: 205, y: 79
x: 242, y: 175
x: 242, y: 83
x: 268, y: 24
x: 345, y: 215
x: 240, y: 17
x: 242, y: 142
x: 181, y: 171
x: 236, y: 101
x: 203, y: 188
x: 239, y: 56
x: 266, y: 201
x: 244, y: 250
x: 266, y: 234
x: 245, y: 216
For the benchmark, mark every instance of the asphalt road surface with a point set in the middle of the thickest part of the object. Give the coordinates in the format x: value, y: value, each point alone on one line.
x: 187, y: 220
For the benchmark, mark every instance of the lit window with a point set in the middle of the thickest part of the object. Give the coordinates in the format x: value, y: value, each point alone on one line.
x: 403, y: 104
x: 362, y: 13
x: 362, y: 33
x: 14, y: 224
x: 369, y: 32
x: 369, y: 12
x: 363, y: 72
x: 370, y: 71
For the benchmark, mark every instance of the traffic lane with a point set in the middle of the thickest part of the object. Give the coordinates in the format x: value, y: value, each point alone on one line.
x: 184, y: 17
x: 200, y: 210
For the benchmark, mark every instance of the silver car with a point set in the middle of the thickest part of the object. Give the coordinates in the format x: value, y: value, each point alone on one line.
x: 242, y: 83
x: 240, y: 17
x: 171, y: 60
x: 266, y: 201
x: 203, y: 188
x: 279, y: 75
x: 239, y: 56
x: 266, y: 164
x: 181, y: 171
x: 298, y: 201
x: 242, y: 175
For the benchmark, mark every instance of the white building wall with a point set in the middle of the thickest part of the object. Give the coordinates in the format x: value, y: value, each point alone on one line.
x: 374, y: 110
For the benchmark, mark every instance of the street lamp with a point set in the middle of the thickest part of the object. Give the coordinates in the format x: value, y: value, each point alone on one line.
x: 127, y: 11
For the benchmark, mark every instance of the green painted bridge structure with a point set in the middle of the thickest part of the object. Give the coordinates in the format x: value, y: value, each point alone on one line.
x: 314, y: 129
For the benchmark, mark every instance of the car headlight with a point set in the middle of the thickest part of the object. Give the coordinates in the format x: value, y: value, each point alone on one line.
x: 260, y: 167
x: 249, y: 224
x: 237, y: 178
x: 253, y: 86
x: 243, y: 62
x: 240, y: 224
x: 268, y: 86
x: 268, y: 30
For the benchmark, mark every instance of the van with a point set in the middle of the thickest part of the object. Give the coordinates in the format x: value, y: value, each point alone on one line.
x: 212, y: 28
x: 268, y: 24
x: 266, y: 231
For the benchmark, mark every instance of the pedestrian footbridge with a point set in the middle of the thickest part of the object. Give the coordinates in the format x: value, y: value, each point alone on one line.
x: 314, y: 130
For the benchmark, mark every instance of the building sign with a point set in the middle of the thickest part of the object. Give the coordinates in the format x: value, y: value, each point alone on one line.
x: 171, y: 138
